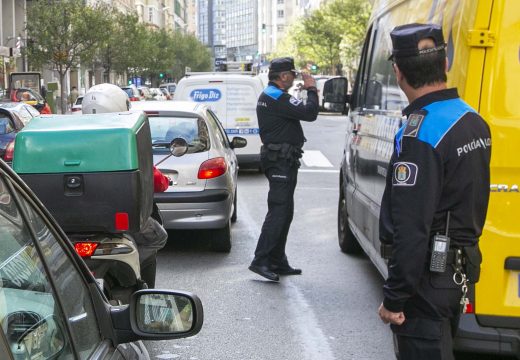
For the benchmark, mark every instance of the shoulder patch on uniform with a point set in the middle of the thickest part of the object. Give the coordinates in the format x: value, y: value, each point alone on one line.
x: 413, y: 124
x: 405, y: 174
x: 295, y: 101
x: 273, y: 92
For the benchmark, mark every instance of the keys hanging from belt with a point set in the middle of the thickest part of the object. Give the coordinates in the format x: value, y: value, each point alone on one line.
x: 460, y: 278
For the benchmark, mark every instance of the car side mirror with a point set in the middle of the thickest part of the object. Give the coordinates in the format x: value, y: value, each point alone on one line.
x: 155, y: 314
x: 178, y: 147
x: 238, y: 142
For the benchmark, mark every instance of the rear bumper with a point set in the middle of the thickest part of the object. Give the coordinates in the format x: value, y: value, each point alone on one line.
x: 472, y: 337
x: 209, y: 209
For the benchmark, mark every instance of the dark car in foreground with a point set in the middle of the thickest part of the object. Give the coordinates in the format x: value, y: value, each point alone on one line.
x: 51, y: 307
x: 13, y: 117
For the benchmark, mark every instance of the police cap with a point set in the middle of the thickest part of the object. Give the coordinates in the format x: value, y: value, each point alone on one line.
x: 406, y: 38
x: 282, y: 64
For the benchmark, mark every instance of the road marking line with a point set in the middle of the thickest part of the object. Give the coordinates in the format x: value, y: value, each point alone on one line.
x: 308, y: 331
x: 315, y: 158
x: 318, y: 171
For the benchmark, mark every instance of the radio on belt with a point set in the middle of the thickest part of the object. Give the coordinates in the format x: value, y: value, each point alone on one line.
x: 440, y: 247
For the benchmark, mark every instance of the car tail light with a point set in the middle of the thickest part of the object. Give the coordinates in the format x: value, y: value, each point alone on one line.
x: 134, y: 98
x: 212, y: 168
x: 121, y: 221
x: 75, y: 109
x: 9, y: 151
x: 85, y: 249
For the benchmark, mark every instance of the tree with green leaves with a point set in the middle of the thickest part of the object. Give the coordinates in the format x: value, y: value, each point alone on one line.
x: 330, y: 37
x: 64, y: 34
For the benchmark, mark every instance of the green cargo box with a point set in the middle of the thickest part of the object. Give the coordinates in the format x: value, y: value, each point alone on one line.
x: 88, y: 168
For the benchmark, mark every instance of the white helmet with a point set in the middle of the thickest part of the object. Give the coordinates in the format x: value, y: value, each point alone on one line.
x: 104, y: 98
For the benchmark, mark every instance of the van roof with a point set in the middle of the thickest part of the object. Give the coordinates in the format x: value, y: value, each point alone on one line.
x: 220, y: 76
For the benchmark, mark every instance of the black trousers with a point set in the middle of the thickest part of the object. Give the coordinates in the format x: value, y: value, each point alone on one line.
x: 432, y: 317
x: 270, y: 249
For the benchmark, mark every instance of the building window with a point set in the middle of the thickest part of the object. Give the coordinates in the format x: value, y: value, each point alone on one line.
x: 280, y: 13
x: 280, y: 27
x: 150, y: 14
x: 280, y: 1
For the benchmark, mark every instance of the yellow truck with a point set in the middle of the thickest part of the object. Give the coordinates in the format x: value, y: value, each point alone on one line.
x: 483, y: 47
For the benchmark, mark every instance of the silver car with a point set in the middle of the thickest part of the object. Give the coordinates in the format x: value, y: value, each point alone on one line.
x: 203, y: 183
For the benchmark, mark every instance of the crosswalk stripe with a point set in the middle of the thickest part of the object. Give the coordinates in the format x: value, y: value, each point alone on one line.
x: 315, y: 158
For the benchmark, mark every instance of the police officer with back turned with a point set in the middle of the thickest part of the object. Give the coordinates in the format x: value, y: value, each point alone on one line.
x: 435, y: 201
x: 279, y: 115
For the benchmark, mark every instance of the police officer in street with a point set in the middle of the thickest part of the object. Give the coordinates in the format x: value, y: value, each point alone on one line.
x: 279, y: 115
x: 435, y: 201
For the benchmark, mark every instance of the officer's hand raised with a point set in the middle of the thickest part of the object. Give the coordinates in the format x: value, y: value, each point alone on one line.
x: 308, y: 80
x: 391, y: 317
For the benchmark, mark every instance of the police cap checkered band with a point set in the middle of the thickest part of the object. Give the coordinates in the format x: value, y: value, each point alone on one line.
x: 406, y: 38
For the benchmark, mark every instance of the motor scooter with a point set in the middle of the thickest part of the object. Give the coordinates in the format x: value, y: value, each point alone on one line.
x: 114, y: 258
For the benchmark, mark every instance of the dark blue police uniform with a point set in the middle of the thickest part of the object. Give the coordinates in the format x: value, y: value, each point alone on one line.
x: 440, y: 165
x: 279, y: 115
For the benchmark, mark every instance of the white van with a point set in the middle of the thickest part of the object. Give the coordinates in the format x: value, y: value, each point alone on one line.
x: 232, y: 97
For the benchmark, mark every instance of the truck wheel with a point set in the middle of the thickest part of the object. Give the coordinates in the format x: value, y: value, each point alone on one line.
x: 221, y: 239
x: 347, y: 241
x: 234, y: 216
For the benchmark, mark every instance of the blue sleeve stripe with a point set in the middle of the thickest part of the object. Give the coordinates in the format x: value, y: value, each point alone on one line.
x: 442, y: 116
x: 273, y: 91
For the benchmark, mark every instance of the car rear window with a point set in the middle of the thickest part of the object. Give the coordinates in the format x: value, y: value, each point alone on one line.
x: 79, y: 100
x: 193, y: 130
x: 129, y: 92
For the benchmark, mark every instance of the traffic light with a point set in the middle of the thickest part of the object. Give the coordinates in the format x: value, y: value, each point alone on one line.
x: 263, y: 28
x: 161, y: 75
x: 129, y: 82
x: 314, y: 68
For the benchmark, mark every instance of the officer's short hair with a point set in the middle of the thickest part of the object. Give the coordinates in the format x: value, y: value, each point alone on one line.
x: 423, y: 70
x: 273, y: 75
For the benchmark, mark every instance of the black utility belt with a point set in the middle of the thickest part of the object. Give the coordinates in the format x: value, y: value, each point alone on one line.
x: 283, y: 150
x: 468, y: 258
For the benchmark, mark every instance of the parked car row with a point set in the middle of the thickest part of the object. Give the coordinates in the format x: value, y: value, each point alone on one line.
x: 13, y: 117
x: 140, y: 93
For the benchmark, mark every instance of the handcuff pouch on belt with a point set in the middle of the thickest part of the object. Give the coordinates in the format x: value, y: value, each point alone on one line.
x: 274, y: 152
x: 471, y: 260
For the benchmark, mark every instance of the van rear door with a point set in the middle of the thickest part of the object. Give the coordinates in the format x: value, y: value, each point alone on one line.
x: 497, y: 302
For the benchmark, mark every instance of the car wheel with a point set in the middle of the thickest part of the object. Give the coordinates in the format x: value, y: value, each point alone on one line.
x: 347, y: 241
x: 234, y: 216
x: 221, y: 239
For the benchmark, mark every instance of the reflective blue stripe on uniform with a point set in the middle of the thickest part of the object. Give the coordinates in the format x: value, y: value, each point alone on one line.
x: 273, y: 91
x: 441, y: 117
x: 444, y: 114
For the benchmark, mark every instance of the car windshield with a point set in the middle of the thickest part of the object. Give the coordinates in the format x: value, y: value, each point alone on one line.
x: 193, y: 130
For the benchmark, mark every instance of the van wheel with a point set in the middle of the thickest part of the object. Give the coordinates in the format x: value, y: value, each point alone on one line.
x: 221, y: 239
x: 347, y: 241
x: 234, y: 216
